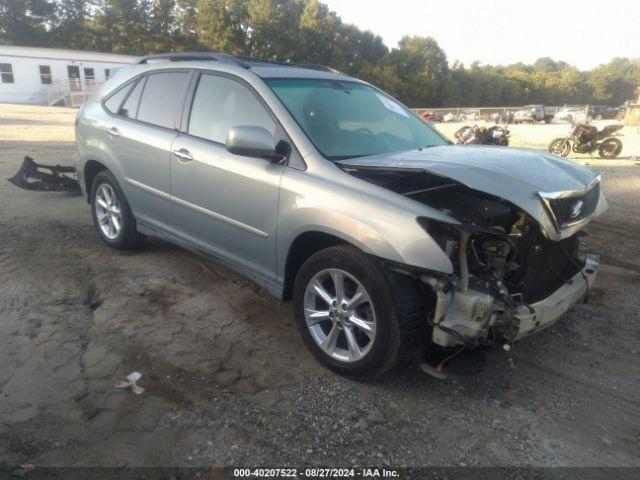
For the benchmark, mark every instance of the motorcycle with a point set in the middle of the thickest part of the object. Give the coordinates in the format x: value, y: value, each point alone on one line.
x: 476, y: 135
x: 587, y: 139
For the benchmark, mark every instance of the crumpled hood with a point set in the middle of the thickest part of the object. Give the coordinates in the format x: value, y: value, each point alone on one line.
x: 514, y: 174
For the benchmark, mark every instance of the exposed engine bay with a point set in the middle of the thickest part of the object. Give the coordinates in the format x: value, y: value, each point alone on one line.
x: 507, y: 272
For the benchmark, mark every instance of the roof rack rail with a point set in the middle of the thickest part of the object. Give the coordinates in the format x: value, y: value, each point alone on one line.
x: 315, y: 66
x: 264, y: 60
x: 244, y: 62
x: 191, y: 56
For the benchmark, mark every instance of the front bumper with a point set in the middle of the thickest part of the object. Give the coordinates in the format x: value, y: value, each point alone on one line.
x: 538, y: 316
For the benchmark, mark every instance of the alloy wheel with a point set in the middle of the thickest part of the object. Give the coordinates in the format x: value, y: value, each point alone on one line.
x: 340, y: 315
x: 108, y: 211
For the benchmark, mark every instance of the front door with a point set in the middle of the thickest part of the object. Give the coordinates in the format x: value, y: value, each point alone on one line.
x: 73, y: 73
x: 224, y: 203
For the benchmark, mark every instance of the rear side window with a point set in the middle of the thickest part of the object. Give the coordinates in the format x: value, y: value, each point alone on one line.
x: 221, y: 103
x: 115, y: 99
x: 161, y: 98
x: 130, y: 106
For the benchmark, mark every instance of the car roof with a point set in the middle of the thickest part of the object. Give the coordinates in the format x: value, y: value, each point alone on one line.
x: 216, y: 62
x: 261, y: 67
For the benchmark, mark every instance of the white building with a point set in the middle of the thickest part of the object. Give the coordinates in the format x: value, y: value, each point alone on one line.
x: 54, y: 76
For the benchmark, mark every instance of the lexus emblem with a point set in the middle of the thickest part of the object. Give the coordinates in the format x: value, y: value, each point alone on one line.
x: 576, y: 210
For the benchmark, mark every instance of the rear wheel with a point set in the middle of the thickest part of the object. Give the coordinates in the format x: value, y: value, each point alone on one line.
x: 560, y: 146
x: 610, y: 148
x: 348, y: 315
x: 111, y: 213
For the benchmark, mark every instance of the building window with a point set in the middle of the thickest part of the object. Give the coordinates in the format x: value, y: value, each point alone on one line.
x: 107, y: 73
x: 89, y: 75
x: 45, y: 74
x: 6, y: 73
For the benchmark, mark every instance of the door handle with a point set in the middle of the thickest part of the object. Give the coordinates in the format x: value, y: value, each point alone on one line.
x: 182, y: 154
x: 114, y: 132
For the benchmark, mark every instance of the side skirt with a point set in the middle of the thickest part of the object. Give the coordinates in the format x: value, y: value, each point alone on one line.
x: 270, y: 286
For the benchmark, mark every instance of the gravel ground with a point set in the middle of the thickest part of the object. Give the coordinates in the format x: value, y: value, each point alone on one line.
x: 230, y: 383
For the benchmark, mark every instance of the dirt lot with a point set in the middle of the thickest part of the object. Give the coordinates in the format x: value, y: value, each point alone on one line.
x: 228, y: 380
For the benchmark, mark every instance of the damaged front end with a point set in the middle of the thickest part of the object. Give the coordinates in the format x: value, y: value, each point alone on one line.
x: 38, y: 177
x: 509, y: 281
x: 510, y: 278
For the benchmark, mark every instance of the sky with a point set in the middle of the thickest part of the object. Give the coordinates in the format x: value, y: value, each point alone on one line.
x: 584, y: 33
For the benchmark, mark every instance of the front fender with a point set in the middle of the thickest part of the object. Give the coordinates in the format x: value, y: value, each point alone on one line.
x: 375, y: 226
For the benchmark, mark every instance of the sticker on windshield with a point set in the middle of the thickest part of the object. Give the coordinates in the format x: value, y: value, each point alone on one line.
x: 391, y: 105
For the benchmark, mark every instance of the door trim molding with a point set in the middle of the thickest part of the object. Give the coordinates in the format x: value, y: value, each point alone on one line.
x: 197, y: 208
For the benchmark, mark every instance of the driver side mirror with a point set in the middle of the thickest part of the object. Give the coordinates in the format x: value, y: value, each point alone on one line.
x: 253, y: 141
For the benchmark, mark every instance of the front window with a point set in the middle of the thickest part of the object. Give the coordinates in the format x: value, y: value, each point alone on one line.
x: 220, y: 104
x: 349, y: 119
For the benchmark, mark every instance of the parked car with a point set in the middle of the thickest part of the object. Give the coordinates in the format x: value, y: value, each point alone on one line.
x: 325, y: 190
x: 470, y: 116
x: 532, y: 114
x: 502, y: 117
x: 572, y: 115
x: 432, y: 117
x: 450, y: 117
x: 603, y: 112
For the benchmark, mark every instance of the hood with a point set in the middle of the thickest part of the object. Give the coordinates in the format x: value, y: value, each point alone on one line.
x: 515, y: 174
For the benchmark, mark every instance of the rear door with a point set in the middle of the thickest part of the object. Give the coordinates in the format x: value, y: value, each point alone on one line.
x: 226, y: 204
x: 140, y: 135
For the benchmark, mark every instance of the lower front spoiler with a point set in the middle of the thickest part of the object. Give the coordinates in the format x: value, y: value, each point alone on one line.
x: 34, y: 176
x: 532, y: 318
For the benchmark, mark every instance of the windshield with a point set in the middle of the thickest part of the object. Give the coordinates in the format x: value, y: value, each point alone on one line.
x: 349, y: 119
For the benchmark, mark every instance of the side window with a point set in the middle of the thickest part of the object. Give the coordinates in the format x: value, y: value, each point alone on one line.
x: 89, y: 75
x: 130, y: 106
x: 45, y: 74
x: 115, y: 99
x: 6, y: 73
x: 161, y: 98
x: 221, y: 103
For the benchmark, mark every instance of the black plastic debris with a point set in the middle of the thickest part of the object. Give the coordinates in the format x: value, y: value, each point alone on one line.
x: 52, y: 178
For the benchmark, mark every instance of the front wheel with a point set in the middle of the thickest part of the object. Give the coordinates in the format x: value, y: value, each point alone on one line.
x: 560, y: 146
x: 347, y: 313
x: 610, y: 148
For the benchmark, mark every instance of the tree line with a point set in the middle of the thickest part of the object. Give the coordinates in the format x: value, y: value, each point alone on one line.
x: 306, y: 31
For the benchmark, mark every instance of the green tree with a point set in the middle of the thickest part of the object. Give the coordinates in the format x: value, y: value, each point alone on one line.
x: 24, y: 22
x: 122, y: 26
x: 318, y: 33
x: 421, y: 66
x: 72, y: 27
x: 219, y: 28
x: 616, y: 81
x: 272, y: 28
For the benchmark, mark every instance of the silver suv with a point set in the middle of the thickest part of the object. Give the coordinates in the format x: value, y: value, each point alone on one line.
x: 325, y: 190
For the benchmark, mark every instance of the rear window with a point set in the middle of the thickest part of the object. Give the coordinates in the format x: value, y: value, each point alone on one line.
x: 161, y: 98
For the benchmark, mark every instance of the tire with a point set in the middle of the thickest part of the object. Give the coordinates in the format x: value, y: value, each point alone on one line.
x: 610, y: 148
x: 560, y: 146
x: 115, y: 223
x: 397, y: 311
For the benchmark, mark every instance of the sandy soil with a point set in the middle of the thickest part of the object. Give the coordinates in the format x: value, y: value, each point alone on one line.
x: 230, y: 383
